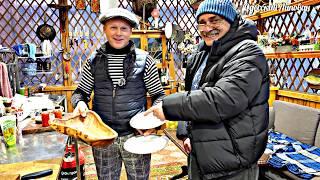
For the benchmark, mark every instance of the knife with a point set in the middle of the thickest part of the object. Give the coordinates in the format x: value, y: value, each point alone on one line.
x: 38, y: 174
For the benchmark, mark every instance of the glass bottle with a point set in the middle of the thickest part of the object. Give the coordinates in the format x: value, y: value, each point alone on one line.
x: 306, y: 34
x: 45, y: 117
x: 164, y: 77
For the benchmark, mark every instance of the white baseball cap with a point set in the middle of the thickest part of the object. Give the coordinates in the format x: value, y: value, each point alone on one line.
x: 119, y: 13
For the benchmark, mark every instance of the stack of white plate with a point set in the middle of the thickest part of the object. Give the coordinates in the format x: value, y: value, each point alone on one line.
x: 145, y: 144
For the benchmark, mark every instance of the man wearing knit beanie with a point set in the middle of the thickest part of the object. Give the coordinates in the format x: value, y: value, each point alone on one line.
x: 226, y: 98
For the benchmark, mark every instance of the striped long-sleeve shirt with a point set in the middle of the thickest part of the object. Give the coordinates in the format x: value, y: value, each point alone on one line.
x: 115, y: 69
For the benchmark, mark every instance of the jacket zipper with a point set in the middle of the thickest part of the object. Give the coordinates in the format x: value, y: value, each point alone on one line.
x: 113, y: 103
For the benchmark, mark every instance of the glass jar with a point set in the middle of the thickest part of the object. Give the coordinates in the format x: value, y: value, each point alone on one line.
x: 57, y: 112
x: 45, y: 117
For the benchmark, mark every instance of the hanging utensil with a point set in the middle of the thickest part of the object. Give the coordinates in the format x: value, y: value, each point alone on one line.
x: 45, y: 31
x: 168, y: 33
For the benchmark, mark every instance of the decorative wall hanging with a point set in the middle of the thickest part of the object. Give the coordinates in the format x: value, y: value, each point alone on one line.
x: 80, y: 4
x: 95, y: 6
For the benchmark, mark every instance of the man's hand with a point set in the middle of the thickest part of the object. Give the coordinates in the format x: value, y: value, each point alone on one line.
x: 146, y: 132
x: 157, y: 111
x: 187, y: 145
x: 81, y: 109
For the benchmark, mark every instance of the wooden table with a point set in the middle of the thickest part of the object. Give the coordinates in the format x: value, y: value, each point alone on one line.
x: 31, y: 127
x: 32, y: 153
x: 16, y: 170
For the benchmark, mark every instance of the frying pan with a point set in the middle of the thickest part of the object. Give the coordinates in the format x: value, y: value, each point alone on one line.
x: 46, y: 32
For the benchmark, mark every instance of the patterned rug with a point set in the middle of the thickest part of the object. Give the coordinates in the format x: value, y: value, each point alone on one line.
x: 165, y: 164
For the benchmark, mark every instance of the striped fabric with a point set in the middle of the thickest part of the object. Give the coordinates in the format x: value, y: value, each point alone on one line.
x: 115, y: 68
x: 115, y: 65
x: 300, y: 159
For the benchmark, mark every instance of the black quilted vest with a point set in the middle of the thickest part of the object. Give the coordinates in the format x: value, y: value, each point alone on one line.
x: 116, y: 106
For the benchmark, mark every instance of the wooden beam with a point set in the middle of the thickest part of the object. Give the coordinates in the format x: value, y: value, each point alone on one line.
x: 297, y: 54
x: 299, y: 95
x: 60, y: 88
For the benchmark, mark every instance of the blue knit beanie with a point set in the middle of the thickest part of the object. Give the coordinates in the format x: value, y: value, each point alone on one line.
x: 222, y: 8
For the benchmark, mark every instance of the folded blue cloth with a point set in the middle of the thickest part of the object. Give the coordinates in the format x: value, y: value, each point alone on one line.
x: 18, y: 48
x: 300, y: 159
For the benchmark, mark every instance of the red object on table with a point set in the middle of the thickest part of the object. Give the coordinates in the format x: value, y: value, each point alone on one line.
x: 57, y: 112
x: 45, y: 117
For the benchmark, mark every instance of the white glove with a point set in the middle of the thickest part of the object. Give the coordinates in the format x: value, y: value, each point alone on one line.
x: 81, y: 109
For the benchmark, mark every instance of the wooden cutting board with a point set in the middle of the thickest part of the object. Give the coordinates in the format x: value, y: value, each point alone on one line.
x: 31, y: 127
x: 14, y: 170
x: 35, y: 128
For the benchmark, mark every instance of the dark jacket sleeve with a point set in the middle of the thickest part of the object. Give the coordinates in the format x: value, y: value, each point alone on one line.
x: 182, y: 130
x: 79, y: 95
x: 237, y: 86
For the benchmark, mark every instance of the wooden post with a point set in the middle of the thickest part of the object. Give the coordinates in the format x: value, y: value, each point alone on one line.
x: 64, y: 30
x: 260, y: 25
x: 64, y: 27
x: 273, y: 95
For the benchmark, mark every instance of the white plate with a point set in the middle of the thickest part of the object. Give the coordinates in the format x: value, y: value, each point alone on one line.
x: 139, y: 121
x: 145, y: 144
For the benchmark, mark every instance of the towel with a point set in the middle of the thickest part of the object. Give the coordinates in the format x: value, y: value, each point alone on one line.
x: 46, y: 48
x: 5, y: 88
x: 300, y: 159
x: 18, y: 48
x: 32, y: 51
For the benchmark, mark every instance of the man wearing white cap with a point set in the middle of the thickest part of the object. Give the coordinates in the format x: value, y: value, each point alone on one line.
x: 120, y: 75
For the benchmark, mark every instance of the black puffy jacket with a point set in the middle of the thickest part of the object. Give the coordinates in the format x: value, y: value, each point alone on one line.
x: 229, y: 113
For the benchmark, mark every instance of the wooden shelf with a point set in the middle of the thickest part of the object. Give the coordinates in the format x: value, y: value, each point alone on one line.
x: 261, y: 15
x: 298, y: 54
x: 146, y: 31
x: 37, y: 57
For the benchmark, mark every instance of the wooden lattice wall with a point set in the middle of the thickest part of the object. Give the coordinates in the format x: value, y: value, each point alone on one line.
x: 290, y: 71
x: 20, y: 18
x: 18, y: 23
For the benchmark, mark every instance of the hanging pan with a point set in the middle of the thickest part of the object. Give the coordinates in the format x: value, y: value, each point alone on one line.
x: 46, y: 31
